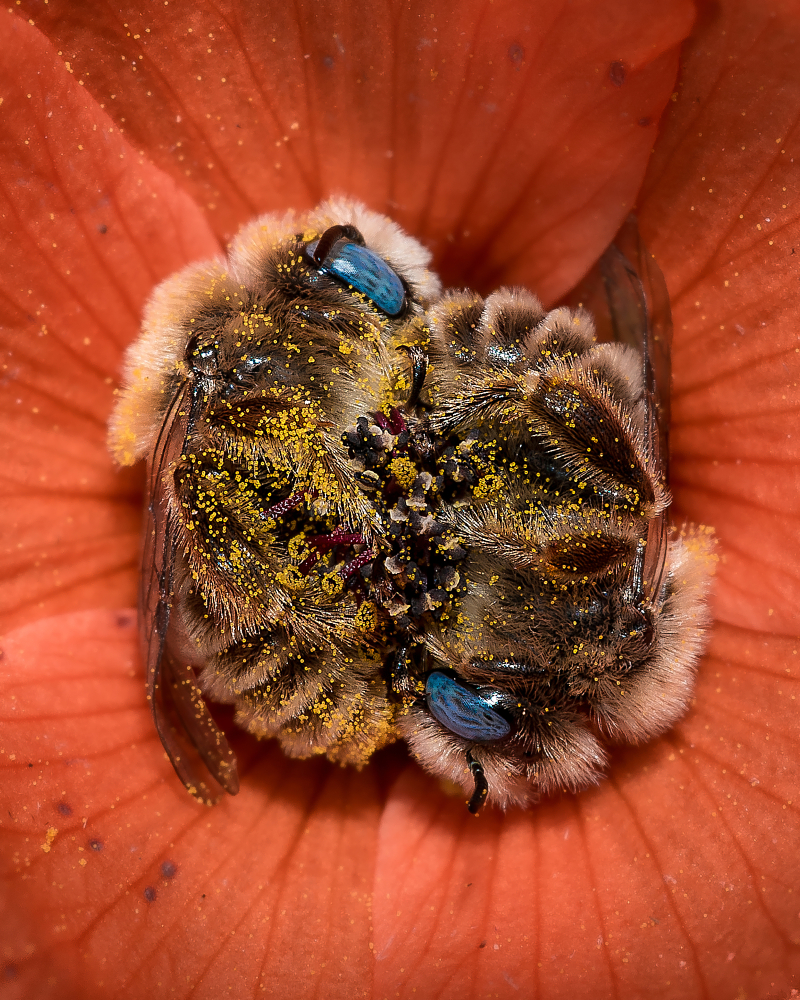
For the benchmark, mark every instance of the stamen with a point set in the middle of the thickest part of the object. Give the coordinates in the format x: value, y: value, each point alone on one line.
x: 324, y: 543
x: 283, y: 506
x: 355, y: 564
x: 396, y: 422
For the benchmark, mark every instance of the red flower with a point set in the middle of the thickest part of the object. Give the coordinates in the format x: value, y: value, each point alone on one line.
x: 513, y: 138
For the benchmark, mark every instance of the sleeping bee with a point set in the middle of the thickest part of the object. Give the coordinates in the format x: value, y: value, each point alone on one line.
x: 376, y: 511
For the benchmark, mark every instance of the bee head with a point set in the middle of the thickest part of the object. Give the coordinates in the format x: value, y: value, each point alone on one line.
x: 475, y: 714
x: 342, y: 254
x: 497, y: 744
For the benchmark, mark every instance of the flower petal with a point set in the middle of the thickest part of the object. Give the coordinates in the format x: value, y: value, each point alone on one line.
x: 114, y: 878
x: 89, y: 227
x: 720, y: 215
x: 511, y: 137
x: 674, y: 879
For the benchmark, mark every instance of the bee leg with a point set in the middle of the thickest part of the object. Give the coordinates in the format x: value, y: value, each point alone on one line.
x: 401, y: 680
x: 419, y: 370
x: 481, y: 784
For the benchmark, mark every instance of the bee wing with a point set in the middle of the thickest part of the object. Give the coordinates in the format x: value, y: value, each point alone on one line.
x: 155, y: 581
x: 172, y: 687
x: 638, y: 302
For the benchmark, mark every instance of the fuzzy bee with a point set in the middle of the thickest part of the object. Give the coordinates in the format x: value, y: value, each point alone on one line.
x: 377, y: 512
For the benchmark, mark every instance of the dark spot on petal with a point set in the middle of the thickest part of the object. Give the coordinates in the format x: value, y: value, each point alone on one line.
x: 64, y: 809
x: 482, y: 944
x: 516, y: 53
x: 327, y: 62
x: 102, y: 230
x: 2, y: 653
x: 125, y: 619
x: 149, y: 894
x: 9, y: 971
x: 96, y: 845
x: 203, y: 895
x: 616, y: 73
x: 644, y: 122
x: 30, y: 765
x: 168, y: 869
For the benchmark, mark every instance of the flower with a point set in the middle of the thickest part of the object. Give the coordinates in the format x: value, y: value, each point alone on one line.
x: 513, y: 139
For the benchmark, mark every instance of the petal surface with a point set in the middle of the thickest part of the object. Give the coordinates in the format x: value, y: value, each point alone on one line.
x: 89, y: 226
x: 117, y: 883
x: 675, y: 879
x: 726, y: 168
x: 512, y: 137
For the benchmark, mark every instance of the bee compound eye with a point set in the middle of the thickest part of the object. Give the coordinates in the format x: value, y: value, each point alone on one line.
x: 463, y: 710
x: 361, y: 268
x: 202, y: 357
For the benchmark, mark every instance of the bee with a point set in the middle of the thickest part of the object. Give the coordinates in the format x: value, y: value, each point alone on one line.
x: 376, y: 511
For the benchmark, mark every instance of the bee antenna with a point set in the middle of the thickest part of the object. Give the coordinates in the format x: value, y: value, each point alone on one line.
x: 331, y: 236
x: 481, y: 784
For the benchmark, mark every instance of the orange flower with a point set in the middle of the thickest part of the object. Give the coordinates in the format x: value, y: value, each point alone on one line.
x: 513, y: 138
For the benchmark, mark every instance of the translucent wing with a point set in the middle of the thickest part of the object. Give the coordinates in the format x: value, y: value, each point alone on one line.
x: 172, y: 688
x: 640, y: 313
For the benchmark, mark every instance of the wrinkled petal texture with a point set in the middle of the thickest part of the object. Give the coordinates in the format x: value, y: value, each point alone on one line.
x: 125, y: 885
x: 513, y: 138
x: 89, y: 225
x: 732, y: 269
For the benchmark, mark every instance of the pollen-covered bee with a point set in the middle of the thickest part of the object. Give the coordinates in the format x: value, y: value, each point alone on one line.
x: 379, y: 512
